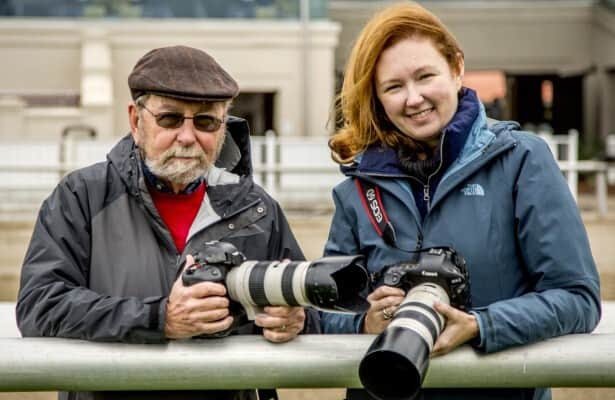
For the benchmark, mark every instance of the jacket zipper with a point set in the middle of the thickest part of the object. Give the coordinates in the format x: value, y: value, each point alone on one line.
x: 426, y: 195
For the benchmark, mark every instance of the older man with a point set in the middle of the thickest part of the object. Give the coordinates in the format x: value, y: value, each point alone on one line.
x: 110, y: 242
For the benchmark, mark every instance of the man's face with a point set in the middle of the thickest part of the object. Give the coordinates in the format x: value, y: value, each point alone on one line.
x: 177, y: 154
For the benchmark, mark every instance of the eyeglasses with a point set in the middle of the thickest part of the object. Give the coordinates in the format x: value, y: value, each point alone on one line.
x: 173, y: 120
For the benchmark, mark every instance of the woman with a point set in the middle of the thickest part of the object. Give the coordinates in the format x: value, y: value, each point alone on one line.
x: 444, y: 177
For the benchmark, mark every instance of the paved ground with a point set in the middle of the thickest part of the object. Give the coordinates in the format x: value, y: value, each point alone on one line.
x: 311, y: 231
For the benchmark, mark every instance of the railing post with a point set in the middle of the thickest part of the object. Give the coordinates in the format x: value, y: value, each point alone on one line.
x: 610, y: 152
x: 12, y: 110
x: 601, y: 192
x: 548, y: 137
x: 573, y: 155
x: 270, y: 162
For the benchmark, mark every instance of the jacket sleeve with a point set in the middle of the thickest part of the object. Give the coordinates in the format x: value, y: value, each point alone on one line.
x: 342, y: 241
x: 564, y: 292
x: 54, y: 299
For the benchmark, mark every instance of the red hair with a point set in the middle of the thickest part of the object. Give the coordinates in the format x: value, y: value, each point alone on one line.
x: 360, y: 112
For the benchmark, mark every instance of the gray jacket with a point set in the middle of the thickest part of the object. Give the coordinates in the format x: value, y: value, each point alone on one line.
x: 101, y: 262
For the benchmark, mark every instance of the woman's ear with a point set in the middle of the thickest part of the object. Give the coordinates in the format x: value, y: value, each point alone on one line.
x: 461, y: 71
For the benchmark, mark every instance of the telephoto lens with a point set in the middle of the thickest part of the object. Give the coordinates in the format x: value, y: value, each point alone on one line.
x: 333, y: 284
x: 395, y: 364
x: 330, y: 284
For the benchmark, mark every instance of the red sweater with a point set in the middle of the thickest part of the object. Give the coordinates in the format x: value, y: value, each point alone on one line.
x: 178, y: 212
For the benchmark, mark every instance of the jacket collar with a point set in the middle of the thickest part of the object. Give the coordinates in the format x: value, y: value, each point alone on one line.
x: 379, y: 159
x: 234, y: 157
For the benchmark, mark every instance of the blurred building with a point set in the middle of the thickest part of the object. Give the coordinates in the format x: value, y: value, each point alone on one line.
x: 65, y: 62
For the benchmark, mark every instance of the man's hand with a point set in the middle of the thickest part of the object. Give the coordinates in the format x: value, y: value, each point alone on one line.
x: 460, y: 327
x: 382, y: 304
x: 281, y: 323
x: 197, y: 309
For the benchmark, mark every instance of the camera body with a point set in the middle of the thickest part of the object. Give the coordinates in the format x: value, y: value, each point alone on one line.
x: 213, y: 264
x: 332, y: 284
x: 396, y: 362
x: 442, y: 266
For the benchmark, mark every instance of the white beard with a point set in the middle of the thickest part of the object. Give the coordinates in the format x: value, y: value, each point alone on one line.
x: 181, y: 172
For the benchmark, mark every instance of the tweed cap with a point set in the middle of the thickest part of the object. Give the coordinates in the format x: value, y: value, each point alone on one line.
x: 181, y: 72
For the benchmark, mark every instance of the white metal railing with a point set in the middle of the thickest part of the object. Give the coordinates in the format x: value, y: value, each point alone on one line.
x: 244, y: 362
x: 308, y: 361
x: 610, y: 153
x: 565, y: 149
x: 296, y: 170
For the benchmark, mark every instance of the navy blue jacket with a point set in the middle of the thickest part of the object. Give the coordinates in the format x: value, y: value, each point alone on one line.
x: 505, y: 206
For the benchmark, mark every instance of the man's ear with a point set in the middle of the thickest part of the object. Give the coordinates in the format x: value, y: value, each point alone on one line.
x: 133, y: 120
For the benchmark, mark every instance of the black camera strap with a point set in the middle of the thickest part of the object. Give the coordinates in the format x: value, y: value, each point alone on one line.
x: 372, y: 202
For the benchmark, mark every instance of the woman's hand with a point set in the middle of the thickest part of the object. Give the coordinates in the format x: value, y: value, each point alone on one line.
x: 460, y: 327
x: 383, y: 303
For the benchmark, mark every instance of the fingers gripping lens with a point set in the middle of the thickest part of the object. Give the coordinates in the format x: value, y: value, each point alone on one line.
x: 174, y: 120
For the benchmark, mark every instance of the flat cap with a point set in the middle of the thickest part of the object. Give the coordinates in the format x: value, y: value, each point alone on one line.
x: 181, y: 72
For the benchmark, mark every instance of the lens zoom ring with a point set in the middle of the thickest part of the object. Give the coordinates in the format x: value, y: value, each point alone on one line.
x: 430, y: 310
x: 256, y: 284
x: 422, y: 318
x: 287, y: 284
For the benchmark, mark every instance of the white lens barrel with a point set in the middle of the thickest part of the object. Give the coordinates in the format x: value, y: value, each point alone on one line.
x: 299, y: 283
x: 238, y: 287
x: 274, y: 282
x: 255, y: 284
x: 417, y: 313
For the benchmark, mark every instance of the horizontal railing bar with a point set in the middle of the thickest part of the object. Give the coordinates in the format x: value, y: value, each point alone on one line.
x: 321, y: 361
x: 583, y: 166
x: 23, y: 168
x: 55, y: 168
x: 576, y: 165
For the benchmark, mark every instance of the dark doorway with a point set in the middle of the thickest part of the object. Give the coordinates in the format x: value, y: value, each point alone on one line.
x: 547, y: 99
x: 257, y: 109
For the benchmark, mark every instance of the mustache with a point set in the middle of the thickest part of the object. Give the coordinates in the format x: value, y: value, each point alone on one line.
x: 179, y: 151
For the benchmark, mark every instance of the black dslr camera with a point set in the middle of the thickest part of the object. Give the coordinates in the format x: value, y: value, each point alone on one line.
x: 395, y: 364
x: 442, y: 266
x: 331, y: 284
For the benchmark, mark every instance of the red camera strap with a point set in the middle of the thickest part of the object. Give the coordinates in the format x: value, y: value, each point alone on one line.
x: 372, y: 202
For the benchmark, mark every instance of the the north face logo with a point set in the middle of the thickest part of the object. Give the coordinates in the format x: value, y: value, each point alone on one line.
x: 473, y: 189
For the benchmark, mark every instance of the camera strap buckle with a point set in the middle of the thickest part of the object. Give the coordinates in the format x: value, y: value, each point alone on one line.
x: 371, y: 200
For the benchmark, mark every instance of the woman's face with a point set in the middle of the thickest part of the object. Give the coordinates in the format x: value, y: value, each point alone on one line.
x: 417, y: 88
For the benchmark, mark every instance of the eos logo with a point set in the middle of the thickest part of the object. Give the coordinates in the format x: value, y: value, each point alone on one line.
x: 373, y: 203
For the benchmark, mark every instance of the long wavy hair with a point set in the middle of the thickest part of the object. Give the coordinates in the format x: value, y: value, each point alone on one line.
x: 361, y: 116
